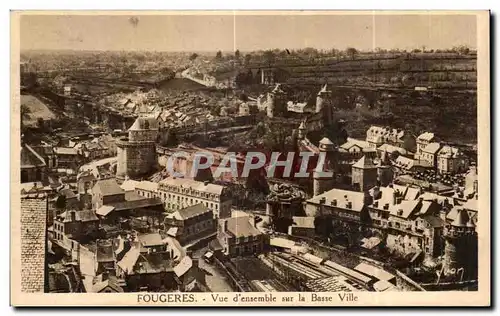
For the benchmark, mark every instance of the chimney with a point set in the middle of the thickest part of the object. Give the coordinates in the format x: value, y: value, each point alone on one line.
x: 376, y: 193
x: 399, y: 199
x: 394, y: 197
x: 206, y: 182
x: 375, y: 204
x: 254, y: 222
x: 225, y: 226
x: 349, y: 204
x: 333, y: 202
x: 322, y: 200
x: 367, y: 198
x: 73, y: 216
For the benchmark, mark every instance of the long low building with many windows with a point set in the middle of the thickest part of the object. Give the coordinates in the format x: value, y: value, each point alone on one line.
x: 178, y: 193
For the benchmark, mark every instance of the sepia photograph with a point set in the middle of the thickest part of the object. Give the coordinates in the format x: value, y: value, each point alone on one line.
x: 250, y: 158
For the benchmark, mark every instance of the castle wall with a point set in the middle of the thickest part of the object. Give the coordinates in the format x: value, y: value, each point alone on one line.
x: 141, y: 159
x: 143, y: 135
x: 33, y: 242
x: 322, y: 185
x: 121, y: 166
x: 366, y: 178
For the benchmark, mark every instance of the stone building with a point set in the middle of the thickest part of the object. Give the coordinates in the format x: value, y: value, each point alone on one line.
x: 451, y: 160
x: 137, y: 152
x: 276, y: 104
x: 429, y: 154
x: 190, y: 223
x: 177, y: 193
x: 423, y: 140
x: 105, y: 192
x: 410, y: 224
x: 323, y: 183
x: 302, y: 226
x: 364, y: 173
x: 377, y: 136
x: 33, y: 232
x: 323, y: 104
x: 71, y: 226
x: 461, y: 244
x: 238, y: 236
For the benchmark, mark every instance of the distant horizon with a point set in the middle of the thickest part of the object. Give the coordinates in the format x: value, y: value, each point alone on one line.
x: 427, y: 49
x: 247, y: 33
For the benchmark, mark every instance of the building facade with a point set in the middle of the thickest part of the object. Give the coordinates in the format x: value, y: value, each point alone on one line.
x: 238, y: 236
x: 177, y: 193
x: 190, y: 223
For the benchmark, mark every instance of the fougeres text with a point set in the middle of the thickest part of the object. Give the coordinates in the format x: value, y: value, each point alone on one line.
x: 250, y: 158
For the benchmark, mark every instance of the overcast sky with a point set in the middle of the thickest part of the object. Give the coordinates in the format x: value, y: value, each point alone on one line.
x: 245, y: 32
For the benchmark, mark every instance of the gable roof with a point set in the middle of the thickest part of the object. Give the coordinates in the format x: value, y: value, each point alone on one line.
x: 434, y: 221
x: 241, y: 227
x: 355, y: 142
x: 30, y: 158
x: 404, y: 209
x: 432, y: 148
x: 190, y: 211
x: 129, y: 260
x: 149, y: 240
x: 108, y: 187
x: 342, y: 197
x: 427, y: 136
x: 111, y: 282
x: 364, y: 163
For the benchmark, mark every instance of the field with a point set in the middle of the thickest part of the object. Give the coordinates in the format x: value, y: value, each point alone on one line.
x: 36, y: 109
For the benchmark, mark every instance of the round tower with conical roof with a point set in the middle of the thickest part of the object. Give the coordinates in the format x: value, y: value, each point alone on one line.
x: 322, y: 183
x: 274, y: 101
x: 322, y: 105
x: 460, y: 239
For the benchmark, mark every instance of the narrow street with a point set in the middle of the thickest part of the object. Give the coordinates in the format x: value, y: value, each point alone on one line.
x: 216, y: 280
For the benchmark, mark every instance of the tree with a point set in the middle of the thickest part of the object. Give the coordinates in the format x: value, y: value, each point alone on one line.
x: 269, y: 57
x: 352, y: 52
x: 25, y: 112
x: 237, y: 54
x: 218, y: 56
x: 193, y: 56
x: 248, y: 58
x: 61, y: 202
x: 462, y: 50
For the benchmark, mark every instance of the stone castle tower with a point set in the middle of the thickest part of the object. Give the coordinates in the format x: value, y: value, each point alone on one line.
x: 460, y: 244
x: 364, y: 173
x: 384, y: 171
x: 323, y: 104
x: 320, y: 183
x: 137, y: 152
x: 275, y: 101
